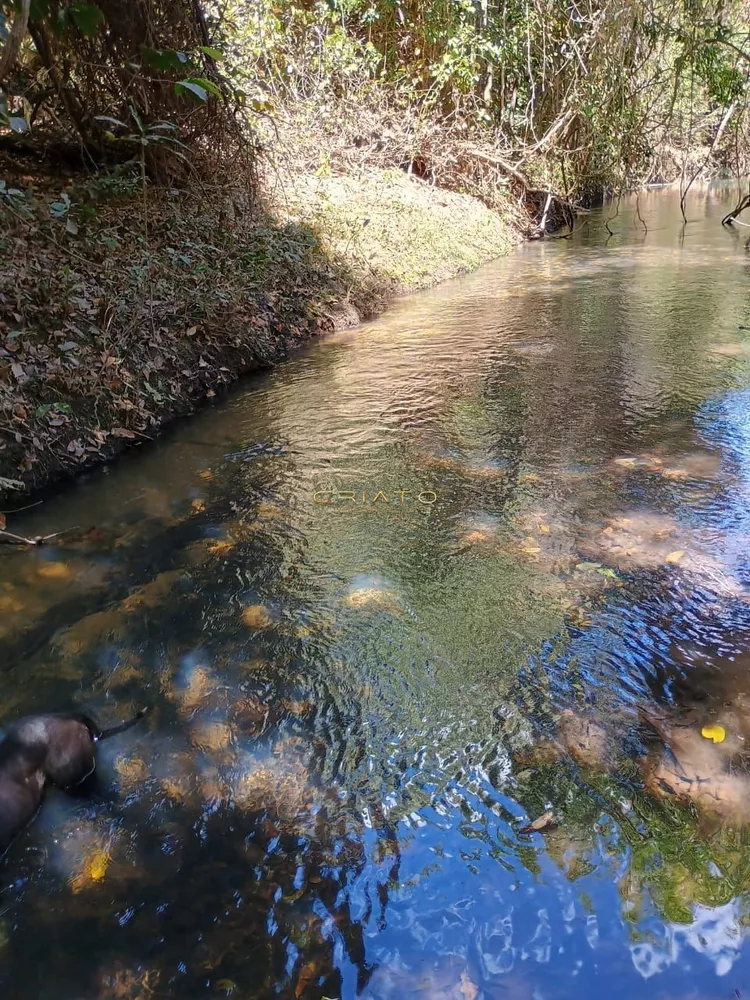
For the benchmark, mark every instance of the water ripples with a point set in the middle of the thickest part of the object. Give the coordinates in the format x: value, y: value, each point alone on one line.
x: 360, y: 703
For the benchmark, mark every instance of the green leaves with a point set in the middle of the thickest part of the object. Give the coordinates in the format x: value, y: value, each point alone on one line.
x: 199, y: 87
x: 183, y: 86
x: 87, y: 17
x: 110, y: 120
x: 53, y: 409
x: 165, y: 59
x: 59, y: 209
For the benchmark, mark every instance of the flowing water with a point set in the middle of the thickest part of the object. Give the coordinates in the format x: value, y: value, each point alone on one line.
x: 369, y: 597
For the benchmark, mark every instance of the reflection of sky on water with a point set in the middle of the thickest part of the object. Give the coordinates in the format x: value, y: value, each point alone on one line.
x: 635, y: 633
x: 716, y: 933
x: 724, y: 423
x: 559, y: 937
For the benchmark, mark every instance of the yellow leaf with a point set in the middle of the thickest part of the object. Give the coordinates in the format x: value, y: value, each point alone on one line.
x: 544, y: 528
x: 674, y: 557
x: 99, y: 865
x: 715, y: 733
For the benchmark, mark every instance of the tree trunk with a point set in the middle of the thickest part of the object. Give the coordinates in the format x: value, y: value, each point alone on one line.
x: 12, y: 47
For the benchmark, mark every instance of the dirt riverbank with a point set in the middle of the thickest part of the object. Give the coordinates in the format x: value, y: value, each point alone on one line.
x: 116, y: 319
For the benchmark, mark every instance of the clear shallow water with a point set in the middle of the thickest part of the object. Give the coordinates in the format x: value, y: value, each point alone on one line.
x: 354, y: 699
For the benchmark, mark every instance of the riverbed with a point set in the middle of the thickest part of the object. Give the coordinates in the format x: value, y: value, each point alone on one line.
x: 359, y: 594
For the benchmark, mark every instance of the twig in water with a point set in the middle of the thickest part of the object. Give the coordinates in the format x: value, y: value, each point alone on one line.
x: 17, y: 510
x: 21, y: 540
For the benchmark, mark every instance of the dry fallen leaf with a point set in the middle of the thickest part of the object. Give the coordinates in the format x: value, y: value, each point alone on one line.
x: 530, y: 547
x: 543, y: 822
x: 375, y: 597
x: 544, y: 529
x: 54, y: 571
x: 220, y: 547
x: 198, y: 505
x: 98, y: 866
x: 206, y: 474
x: 269, y: 511
x: 94, y: 869
x: 467, y: 988
x: 674, y: 557
x: 475, y: 536
x: 256, y: 616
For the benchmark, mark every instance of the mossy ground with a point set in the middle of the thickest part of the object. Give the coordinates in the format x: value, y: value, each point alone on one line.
x: 399, y: 232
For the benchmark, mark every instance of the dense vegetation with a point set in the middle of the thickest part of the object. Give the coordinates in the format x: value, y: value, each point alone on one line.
x: 582, y: 97
x: 576, y: 97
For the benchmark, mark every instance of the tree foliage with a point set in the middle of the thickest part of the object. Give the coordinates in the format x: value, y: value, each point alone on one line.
x: 596, y: 89
x: 85, y: 64
x: 584, y: 95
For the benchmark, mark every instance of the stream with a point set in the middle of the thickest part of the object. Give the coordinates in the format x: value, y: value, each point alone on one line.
x: 360, y: 593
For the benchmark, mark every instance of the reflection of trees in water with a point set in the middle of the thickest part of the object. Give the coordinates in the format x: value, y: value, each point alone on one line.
x: 254, y: 900
x: 628, y: 771
x: 259, y: 893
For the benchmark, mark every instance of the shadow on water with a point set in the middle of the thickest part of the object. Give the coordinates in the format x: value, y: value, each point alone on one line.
x: 482, y: 562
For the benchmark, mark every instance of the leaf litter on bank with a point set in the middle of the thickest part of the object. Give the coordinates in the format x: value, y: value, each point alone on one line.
x: 102, y: 341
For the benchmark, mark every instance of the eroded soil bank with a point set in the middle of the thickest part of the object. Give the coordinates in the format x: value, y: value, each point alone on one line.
x: 122, y: 309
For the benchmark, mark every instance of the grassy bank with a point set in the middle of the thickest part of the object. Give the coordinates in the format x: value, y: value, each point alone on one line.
x: 114, y: 322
